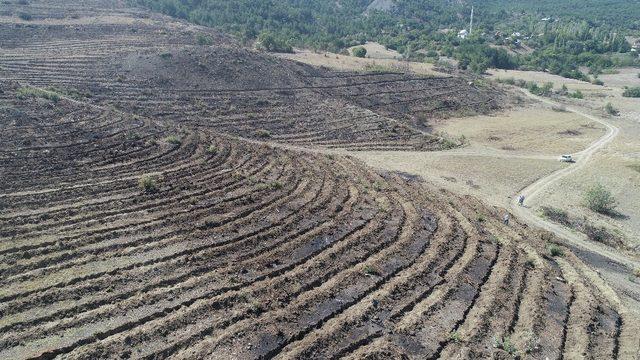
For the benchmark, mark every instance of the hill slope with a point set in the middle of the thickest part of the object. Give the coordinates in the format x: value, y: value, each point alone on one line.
x: 135, y: 224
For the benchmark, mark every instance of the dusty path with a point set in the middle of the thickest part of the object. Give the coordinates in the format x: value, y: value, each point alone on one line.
x: 533, y: 191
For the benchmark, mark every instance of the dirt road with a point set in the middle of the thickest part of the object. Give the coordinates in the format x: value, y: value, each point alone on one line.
x: 533, y: 191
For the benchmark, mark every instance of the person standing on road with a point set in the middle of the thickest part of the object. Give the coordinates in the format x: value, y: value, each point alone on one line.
x: 521, y: 200
x: 505, y: 219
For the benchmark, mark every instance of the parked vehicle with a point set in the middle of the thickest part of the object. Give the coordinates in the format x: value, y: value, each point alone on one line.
x: 566, y: 158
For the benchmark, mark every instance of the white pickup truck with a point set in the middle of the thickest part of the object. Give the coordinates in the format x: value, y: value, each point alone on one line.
x: 566, y: 158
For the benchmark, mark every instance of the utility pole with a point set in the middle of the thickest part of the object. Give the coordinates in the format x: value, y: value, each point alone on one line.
x: 471, y: 23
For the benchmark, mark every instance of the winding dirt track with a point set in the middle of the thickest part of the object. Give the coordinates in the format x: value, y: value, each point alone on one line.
x: 533, y: 191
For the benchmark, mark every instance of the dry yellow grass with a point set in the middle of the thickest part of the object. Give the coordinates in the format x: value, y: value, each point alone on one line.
x: 350, y: 63
x: 533, y: 130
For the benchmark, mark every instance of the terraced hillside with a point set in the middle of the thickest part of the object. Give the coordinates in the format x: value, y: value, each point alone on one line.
x: 135, y: 224
x: 144, y: 64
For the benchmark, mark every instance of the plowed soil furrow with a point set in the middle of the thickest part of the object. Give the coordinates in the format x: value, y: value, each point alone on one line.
x: 149, y: 209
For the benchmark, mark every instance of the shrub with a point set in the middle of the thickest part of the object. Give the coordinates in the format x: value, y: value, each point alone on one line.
x: 555, y: 251
x: 632, y: 92
x: 166, y: 55
x: 359, y: 51
x: 204, y: 40
x: 577, y: 95
x: 271, y: 43
x: 599, y: 199
x: 455, y: 337
x: 276, y: 185
x: 546, y: 89
x: 370, y: 270
x: 611, y: 110
x: 600, y: 234
x: 508, y: 81
x: 173, y: 140
x: 636, y: 272
x: 564, y: 90
x: 148, y: 184
x: 25, y: 16
x: 505, y: 344
x: 555, y: 214
x: 263, y: 133
x: 26, y: 92
x: 212, y: 149
x: 597, y: 82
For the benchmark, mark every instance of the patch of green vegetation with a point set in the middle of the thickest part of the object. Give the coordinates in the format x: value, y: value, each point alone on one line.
x: 204, y: 40
x: 276, y: 185
x: 577, y: 95
x: 504, y: 343
x: 611, y: 110
x: 545, y: 90
x: 556, y: 251
x: 370, y: 270
x: 632, y: 92
x: 554, y: 214
x: 530, y: 262
x: 455, y: 336
x: 212, y: 149
x: 173, y: 140
x: 148, y: 184
x: 25, y: 16
x: 377, y: 68
x: 359, y: 51
x: 27, y: 92
x: 270, y: 42
x: 599, y: 199
x: 263, y: 133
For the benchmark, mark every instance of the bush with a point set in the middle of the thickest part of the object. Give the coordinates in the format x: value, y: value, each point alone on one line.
x: 370, y: 270
x: 359, y: 51
x: 148, y: 184
x: 556, y: 251
x: 577, y: 95
x: 212, y: 149
x: 597, y: 82
x: 271, y: 43
x: 611, y: 110
x: 632, y: 92
x: 600, y: 234
x: 505, y: 344
x: 204, y: 40
x: 455, y: 337
x: 174, y: 140
x: 25, y: 16
x: 264, y: 134
x: 26, y: 92
x: 555, y: 214
x: 599, y: 199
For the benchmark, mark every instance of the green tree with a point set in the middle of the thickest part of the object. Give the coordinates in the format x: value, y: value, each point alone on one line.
x: 271, y: 43
x: 359, y: 51
x: 599, y: 199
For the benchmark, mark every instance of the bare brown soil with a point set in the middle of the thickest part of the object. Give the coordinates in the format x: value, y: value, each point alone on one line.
x: 242, y: 249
